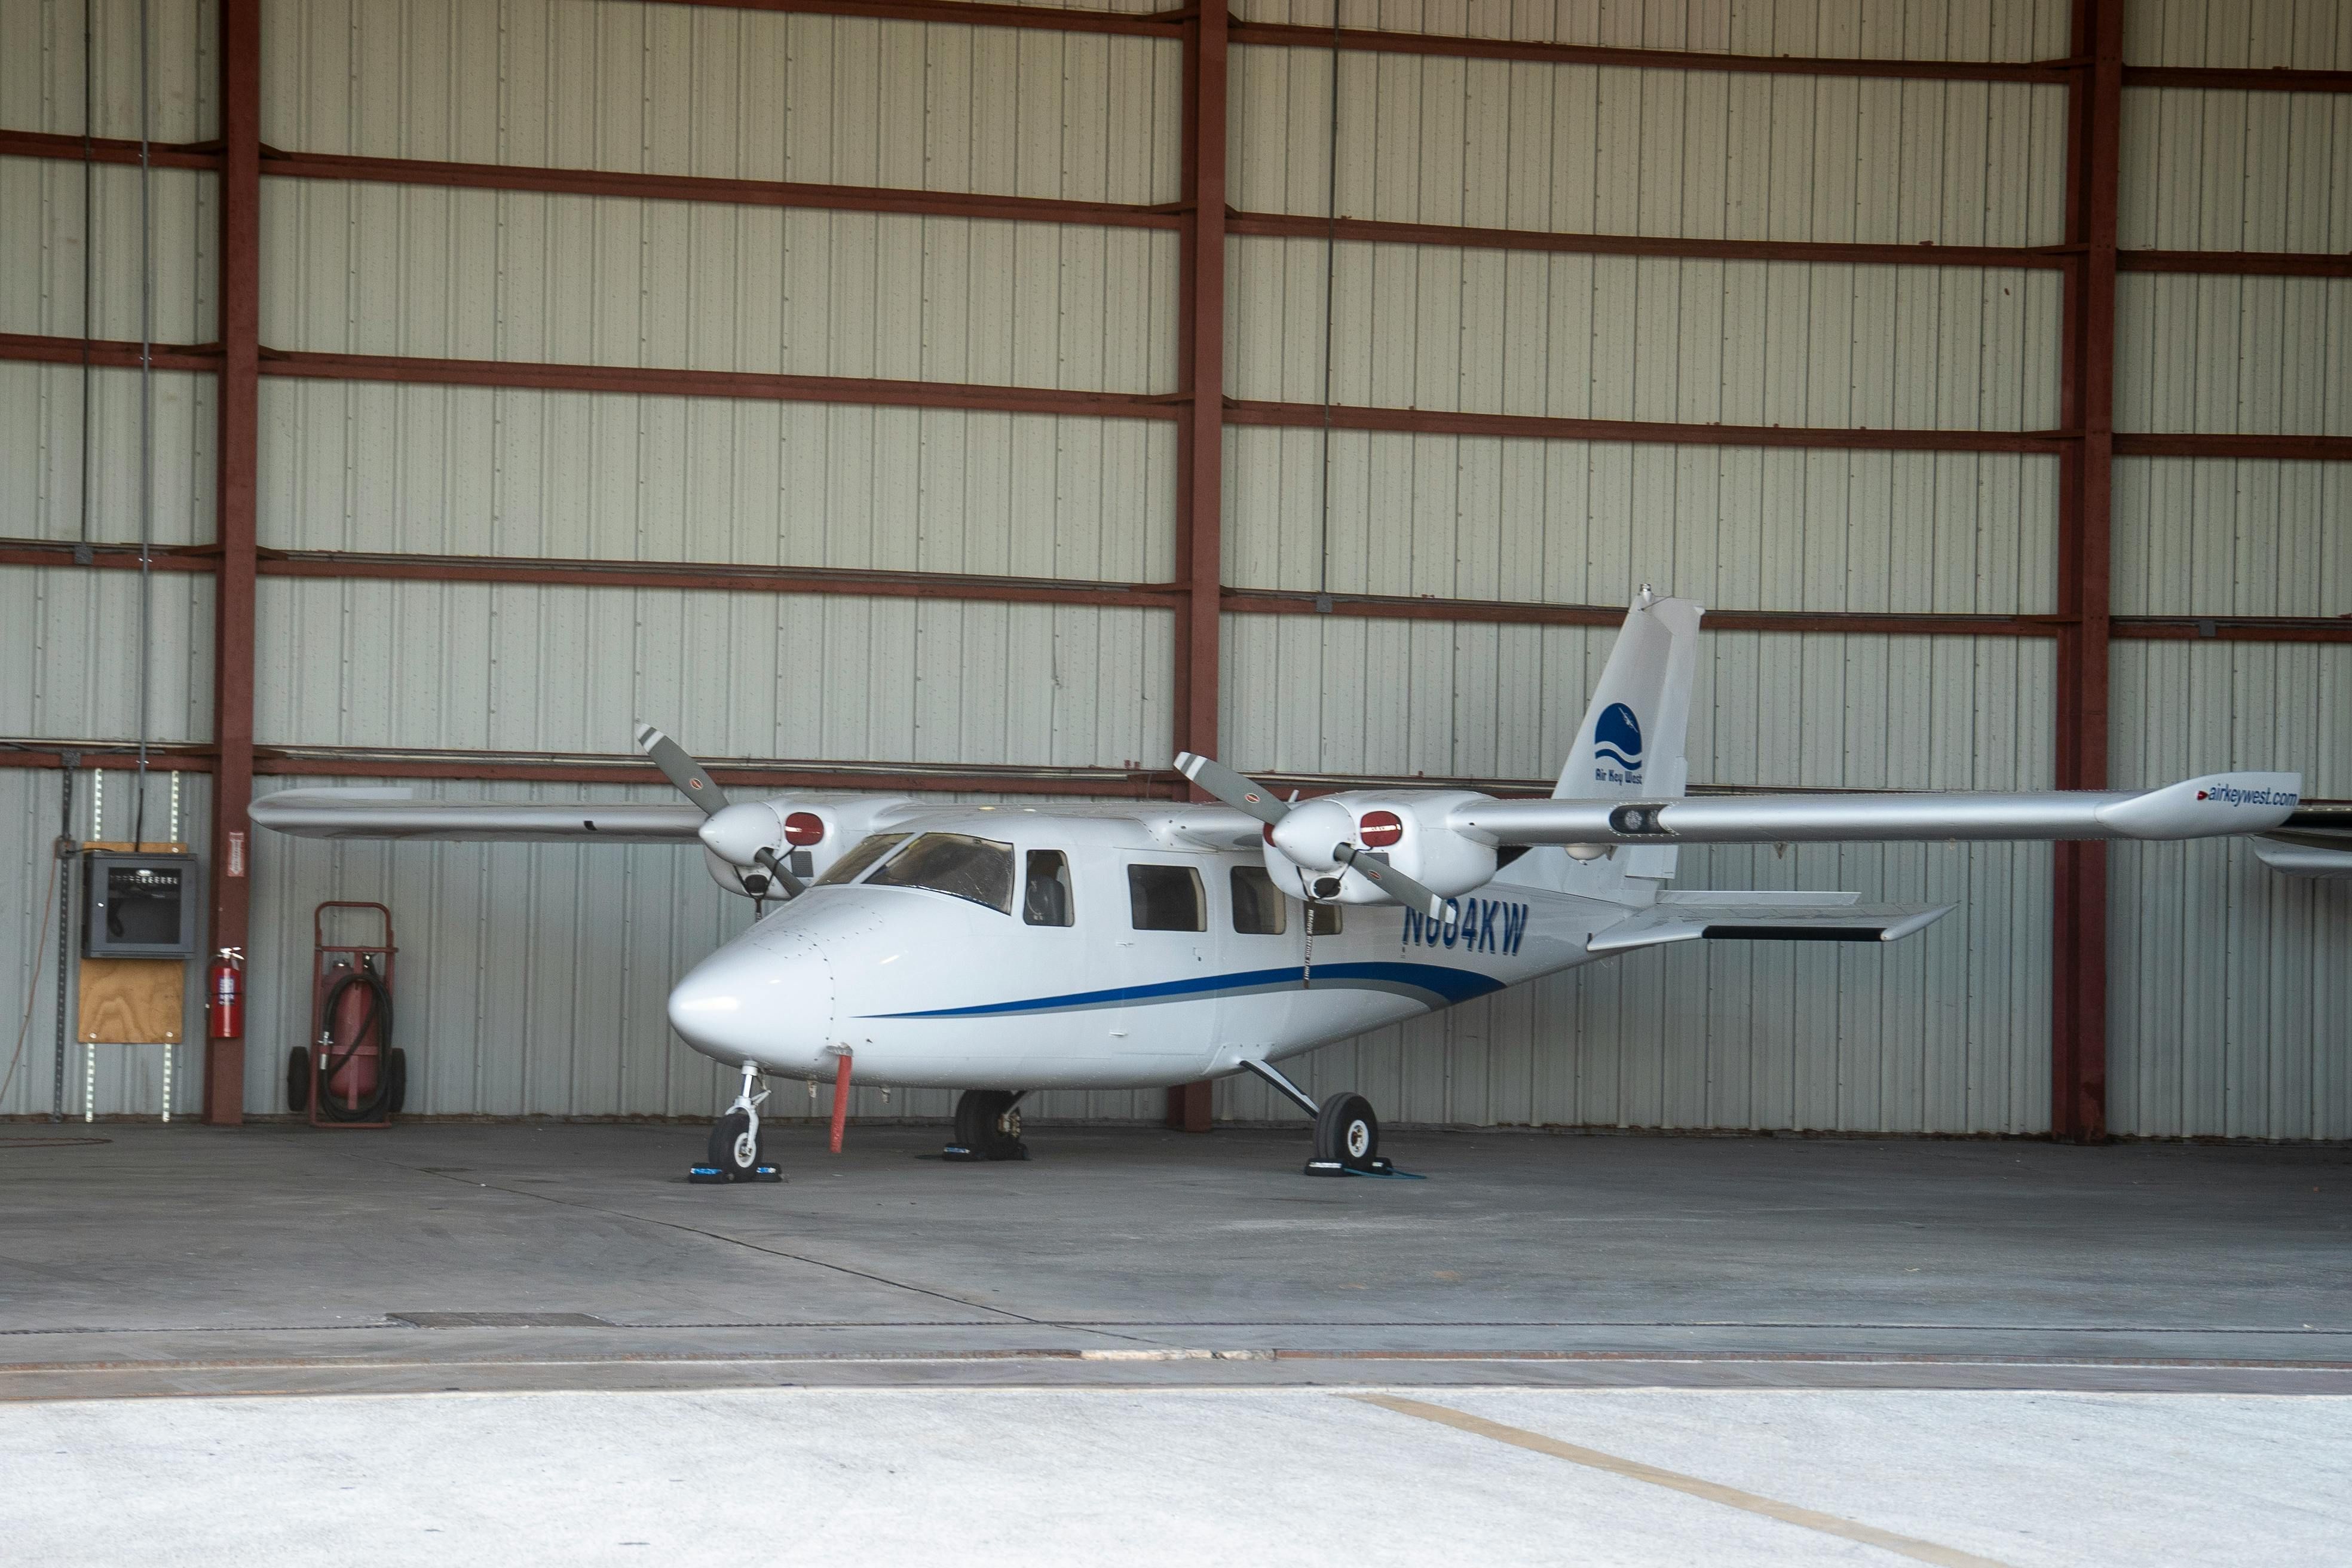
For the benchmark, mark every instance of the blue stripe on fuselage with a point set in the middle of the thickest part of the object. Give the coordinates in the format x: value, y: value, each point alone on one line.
x: 1435, y: 985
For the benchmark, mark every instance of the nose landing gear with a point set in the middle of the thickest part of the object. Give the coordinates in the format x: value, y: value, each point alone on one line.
x: 734, y: 1152
x: 988, y: 1125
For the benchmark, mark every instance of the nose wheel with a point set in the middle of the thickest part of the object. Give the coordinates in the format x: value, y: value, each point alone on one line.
x: 988, y: 1126
x: 733, y: 1152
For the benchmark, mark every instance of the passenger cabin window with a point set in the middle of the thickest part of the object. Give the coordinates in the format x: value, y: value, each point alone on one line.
x: 1166, y: 898
x: 980, y: 870
x: 850, y: 866
x: 1045, y: 898
x: 1259, y: 907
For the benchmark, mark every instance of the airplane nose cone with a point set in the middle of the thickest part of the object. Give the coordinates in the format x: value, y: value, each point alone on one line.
x: 1312, y: 830
x: 766, y: 996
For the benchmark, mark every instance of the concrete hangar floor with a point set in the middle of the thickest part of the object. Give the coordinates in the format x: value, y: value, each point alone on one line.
x: 462, y: 1343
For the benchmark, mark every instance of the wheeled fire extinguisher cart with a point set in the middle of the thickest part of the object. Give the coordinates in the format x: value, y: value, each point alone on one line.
x: 351, y: 1074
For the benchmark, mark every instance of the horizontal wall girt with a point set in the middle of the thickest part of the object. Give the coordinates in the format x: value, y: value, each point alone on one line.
x: 1530, y: 426
x: 1374, y: 231
x: 109, y: 149
x: 755, y: 386
x: 855, y: 583
x: 1165, y: 23
x: 698, y: 188
x: 2196, y: 444
x: 1284, y: 35
x: 2238, y: 79
x: 2238, y: 263
x: 107, y: 354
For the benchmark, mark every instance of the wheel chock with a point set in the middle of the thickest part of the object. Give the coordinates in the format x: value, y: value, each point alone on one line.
x: 1378, y: 1165
x: 711, y: 1175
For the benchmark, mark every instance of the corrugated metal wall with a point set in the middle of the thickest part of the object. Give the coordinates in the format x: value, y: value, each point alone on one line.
x: 2230, y: 986
x: 533, y: 976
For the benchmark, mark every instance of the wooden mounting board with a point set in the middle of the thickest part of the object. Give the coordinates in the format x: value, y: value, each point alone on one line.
x: 133, y: 1001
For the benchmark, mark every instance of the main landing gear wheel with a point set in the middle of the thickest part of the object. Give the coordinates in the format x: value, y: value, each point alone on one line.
x: 1347, y: 1137
x: 988, y: 1126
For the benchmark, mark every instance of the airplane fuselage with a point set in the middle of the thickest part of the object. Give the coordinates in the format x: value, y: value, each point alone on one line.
x: 925, y: 988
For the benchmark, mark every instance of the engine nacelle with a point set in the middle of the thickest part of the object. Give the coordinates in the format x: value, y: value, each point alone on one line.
x: 1407, y: 827
x: 806, y: 839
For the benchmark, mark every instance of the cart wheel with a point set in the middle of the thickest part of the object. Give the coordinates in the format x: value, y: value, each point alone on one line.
x: 297, y: 1079
x: 395, y: 1081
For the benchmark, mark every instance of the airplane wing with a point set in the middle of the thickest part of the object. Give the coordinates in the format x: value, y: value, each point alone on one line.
x: 2220, y: 803
x: 392, y: 814
x: 1766, y: 917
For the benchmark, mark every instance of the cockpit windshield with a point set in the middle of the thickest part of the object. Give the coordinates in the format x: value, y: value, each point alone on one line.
x: 852, y: 866
x: 980, y: 870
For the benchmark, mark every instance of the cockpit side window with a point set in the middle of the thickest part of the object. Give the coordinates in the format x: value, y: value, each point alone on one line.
x: 958, y: 864
x: 850, y: 866
x: 1166, y: 898
x: 1259, y: 907
x: 1045, y: 898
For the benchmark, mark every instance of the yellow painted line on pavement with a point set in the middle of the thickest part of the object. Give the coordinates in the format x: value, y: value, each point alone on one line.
x: 1674, y: 1481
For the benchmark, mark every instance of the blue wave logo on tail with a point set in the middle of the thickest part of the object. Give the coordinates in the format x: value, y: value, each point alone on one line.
x: 1618, y: 737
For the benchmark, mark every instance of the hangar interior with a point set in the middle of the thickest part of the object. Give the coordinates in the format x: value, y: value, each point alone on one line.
x: 994, y: 399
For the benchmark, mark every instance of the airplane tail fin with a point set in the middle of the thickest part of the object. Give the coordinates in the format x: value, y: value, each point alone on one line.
x: 1630, y: 747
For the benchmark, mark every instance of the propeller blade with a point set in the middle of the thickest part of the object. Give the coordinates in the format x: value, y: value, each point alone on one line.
x: 694, y: 782
x: 1391, y: 881
x: 1237, y: 789
x: 682, y: 769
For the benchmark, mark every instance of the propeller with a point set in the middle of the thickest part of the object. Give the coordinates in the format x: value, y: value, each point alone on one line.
x: 737, y: 834
x: 1301, y: 832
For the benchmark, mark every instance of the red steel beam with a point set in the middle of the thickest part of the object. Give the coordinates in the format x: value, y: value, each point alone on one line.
x: 1280, y: 34
x: 837, y: 581
x: 2238, y: 79
x: 1375, y: 231
x: 106, y: 353
x: 1200, y: 434
x: 717, y: 384
x: 955, y: 13
x: 1540, y: 427
x: 730, y: 193
x: 2195, y: 444
x: 2238, y: 263
x: 238, y: 439
x: 110, y: 150
x: 1202, y: 462
x: 2078, y: 1045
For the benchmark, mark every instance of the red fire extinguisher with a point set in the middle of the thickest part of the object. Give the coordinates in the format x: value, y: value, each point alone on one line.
x: 225, y: 983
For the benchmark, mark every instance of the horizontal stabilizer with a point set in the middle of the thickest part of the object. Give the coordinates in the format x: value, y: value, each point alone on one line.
x: 1765, y: 917
x: 2303, y: 857
x: 389, y: 814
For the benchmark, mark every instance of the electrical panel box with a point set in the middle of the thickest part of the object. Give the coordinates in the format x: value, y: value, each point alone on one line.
x: 140, y: 906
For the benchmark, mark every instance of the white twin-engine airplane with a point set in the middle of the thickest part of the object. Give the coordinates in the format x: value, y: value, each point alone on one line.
x: 1004, y: 949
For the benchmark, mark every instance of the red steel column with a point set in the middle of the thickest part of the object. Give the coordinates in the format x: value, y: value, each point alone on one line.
x: 238, y: 396
x: 2078, y: 1064
x: 1200, y: 433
